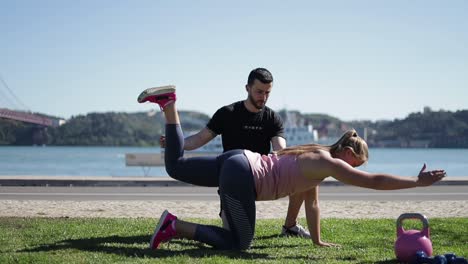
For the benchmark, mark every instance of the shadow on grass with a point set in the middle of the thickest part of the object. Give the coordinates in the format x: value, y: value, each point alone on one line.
x: 267, y: 237
x: 131, y: 247
x: 137, y: 247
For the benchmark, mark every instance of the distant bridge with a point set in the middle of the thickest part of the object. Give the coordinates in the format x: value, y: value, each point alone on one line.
x: 7, y: 97
x: 30, y: 118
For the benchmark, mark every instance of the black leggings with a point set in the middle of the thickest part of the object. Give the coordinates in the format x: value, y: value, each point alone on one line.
x: 230, y: 172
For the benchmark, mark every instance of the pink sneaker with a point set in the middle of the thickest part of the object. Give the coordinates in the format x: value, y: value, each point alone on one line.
x: 165, y: 230
x: 160, y: 95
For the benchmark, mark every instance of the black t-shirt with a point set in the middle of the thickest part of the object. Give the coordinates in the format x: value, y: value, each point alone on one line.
x: 242, y: 129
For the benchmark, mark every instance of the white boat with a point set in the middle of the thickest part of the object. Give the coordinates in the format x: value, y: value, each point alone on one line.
x: 300, y: 135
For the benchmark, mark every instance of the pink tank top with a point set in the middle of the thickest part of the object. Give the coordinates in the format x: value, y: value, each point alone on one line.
x: 277, y: 176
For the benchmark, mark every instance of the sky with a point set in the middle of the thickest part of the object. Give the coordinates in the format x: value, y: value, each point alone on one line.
x: 354, y: 60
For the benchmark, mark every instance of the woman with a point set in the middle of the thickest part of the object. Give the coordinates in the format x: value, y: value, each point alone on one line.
x: 244, y: 177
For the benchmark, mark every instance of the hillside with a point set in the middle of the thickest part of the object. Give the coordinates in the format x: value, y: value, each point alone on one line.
x: 97, y: 129
x: 439, y: 129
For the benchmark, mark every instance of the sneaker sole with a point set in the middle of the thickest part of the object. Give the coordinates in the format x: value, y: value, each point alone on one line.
x: 156, y: 91
x: 156, y: 230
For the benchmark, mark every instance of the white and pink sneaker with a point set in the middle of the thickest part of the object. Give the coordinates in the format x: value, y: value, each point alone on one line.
x: 162, y: 95
x: 165, y: 230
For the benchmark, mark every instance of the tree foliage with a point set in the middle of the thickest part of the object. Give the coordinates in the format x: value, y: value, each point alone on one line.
x: 97, y: 129
x: 428, y: 128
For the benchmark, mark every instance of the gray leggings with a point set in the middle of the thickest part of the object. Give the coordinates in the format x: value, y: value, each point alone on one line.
x: 230, y: 172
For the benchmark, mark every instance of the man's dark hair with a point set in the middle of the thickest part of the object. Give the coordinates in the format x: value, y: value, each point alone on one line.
x: 261, y: 74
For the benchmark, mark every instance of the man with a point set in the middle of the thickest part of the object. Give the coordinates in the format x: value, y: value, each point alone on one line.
x: 250, y: 124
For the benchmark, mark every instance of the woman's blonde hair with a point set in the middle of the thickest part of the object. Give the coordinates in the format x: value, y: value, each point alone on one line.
x: 350, y: 139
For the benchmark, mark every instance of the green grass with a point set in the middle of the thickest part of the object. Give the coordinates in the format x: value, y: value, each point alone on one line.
x: 100, y: 240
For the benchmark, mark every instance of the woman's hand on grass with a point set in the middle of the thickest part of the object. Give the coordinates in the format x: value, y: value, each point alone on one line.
x: 326, y: 244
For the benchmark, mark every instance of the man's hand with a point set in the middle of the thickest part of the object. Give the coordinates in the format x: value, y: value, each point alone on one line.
x: 162, y: 141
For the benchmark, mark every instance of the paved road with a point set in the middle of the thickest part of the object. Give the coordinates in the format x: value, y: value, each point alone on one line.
x: 190, y: 193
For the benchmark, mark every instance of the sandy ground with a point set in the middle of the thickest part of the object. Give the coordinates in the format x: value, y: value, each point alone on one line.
x: 209, y: 209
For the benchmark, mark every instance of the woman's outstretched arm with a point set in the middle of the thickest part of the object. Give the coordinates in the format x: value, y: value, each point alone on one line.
x: 345, y: 173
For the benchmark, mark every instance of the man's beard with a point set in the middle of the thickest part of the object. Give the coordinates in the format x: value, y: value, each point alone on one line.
x: 256, y: 104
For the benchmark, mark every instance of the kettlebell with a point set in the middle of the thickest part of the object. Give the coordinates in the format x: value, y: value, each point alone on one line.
x: 409, y: 242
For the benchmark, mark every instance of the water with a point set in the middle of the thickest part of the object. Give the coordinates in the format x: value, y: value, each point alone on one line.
x: 410, y: 161
x: 72, y: 161
x: 110, y: 161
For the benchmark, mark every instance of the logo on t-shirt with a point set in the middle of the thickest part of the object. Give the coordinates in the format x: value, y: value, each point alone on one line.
x: 246, y: 127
